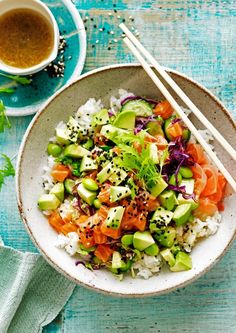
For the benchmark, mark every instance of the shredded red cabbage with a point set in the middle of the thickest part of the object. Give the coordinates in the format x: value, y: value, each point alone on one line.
x: 79, y: 262
x: 132, y: 98
x: 110, y: 113
x: 141, y: 123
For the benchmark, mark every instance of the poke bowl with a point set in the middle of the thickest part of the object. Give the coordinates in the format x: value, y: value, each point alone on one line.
x: 114, y: 190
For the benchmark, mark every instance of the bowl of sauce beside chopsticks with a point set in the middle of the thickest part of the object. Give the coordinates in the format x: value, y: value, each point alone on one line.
x: 29, y: 36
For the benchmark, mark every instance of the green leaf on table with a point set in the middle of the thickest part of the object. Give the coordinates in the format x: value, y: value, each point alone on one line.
x: 7, y: 90
x: 19, y: 79
x: 7, y: 170
x: 4, y: 121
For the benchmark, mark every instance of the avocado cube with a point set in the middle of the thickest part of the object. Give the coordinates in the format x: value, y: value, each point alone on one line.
x: 58, y: 190
x: 183, y: 262
x: 116, y: 260
x: 168, y: 256
x: 182, y: 214
x: 166, y: 237
x: 69, y: 184
x: 168, y: 199
x: 160, y: 218
x: 74, y: 129
x: 100, y: 118
x: 105, y: 173
x: 62, y: 136
x: 125, y: 120
x: 158, y: 187
x: 76, y: 151
x: 114, y: 217
x: 155, y: 128
x: 86, y: 195
x: 111, y: 132
x: 119, y: 192
x: 118, y: 176
x: 48, y: 202
x: 181, y: 200
x: 142, y: 240
x: 88, y: 164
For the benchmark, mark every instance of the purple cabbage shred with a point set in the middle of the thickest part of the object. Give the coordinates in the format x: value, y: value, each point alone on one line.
x: 133, y: 98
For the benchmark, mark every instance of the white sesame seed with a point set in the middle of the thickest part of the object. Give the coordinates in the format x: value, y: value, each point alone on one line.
x: 137, y: 34
x: 118, y: 16
x: 132, y: 28
x: 109, y: 14
x: 112, y: 32
x: 115, y: 40
x: 130, y: 17
x: 97, y: 41
x: 100, y: 30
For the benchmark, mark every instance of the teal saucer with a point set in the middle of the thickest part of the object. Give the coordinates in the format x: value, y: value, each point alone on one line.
x: 28, y: 99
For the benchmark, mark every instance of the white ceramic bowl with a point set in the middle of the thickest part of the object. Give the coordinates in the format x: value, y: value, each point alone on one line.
x: 41, y: 8
x: 103, y: 83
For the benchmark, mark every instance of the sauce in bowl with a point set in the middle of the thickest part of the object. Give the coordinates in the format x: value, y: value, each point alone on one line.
x: 26, y: 38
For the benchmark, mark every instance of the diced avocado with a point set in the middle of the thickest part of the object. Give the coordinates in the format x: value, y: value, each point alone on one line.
x: 89, y: 144
x: 168, y: 256
x: 160, y: 218
x: 182, y: 214
x: 153, y: 153
x: 100, y: 118
x: 182, y: 200
x: 133, y: 187
x: 119, y: 192
x: 74, y: 129
x: 139, y: 106
x: 186, y: 134
x: 116, y: 260
x: 158, y: 187
x: 183, y: 262
x: 168, y: 199
x: 111, y: 132
x: 166, y: 237
x: 69, y: 184
x: 105, y: 173
x: 118, y: 176
x: 58, y: 190
x: 142, y: 240
x: 62, y: 136
x: 88, y: 164
x: 114, y: 217
x: 76, y: 151
x: 48, y: 202
x: 189, y: 185
x: 125, y: 120
x: 152, y: 250
x: 86, y: 195
x: 155, y: 128
x: 127, y: 240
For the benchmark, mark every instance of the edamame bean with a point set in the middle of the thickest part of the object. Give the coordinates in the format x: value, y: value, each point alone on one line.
x: 90, y: 184
x: 127, y: 240
x: 54, y: 149
x: 186, y: 172
x: 172, y: 180
x: 152, y: 250
x: 97, y: 204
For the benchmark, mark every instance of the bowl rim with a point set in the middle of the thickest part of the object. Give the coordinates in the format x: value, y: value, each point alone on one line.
x: 20, y: 203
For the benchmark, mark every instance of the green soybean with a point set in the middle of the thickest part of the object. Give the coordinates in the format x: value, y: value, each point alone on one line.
x: 97, y: 204
x: 127, y: 240
x: 186, y: 172
x: 172, y: 180
x: 152, y: 250
x: 90, y: 184
x: 54, y: 149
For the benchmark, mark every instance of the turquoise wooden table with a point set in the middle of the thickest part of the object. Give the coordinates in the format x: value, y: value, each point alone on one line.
x: 196, y: 37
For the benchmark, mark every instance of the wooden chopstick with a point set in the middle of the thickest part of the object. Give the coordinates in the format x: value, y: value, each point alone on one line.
x: 180, y: 112
x: 225, y: 144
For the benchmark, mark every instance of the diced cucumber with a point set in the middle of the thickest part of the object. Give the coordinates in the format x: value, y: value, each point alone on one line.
x: 69, y: 184
x: 139, y: 106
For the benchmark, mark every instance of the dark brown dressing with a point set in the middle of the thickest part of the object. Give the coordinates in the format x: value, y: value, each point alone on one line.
x: 26, y: 38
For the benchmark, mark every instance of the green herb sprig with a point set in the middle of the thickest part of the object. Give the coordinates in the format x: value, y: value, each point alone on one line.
x: 19, y: 79
x: 4, y: 121
x: 7, y: 170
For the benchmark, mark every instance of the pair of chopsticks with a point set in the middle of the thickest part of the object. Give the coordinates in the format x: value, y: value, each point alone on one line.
x: 135, y: 46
